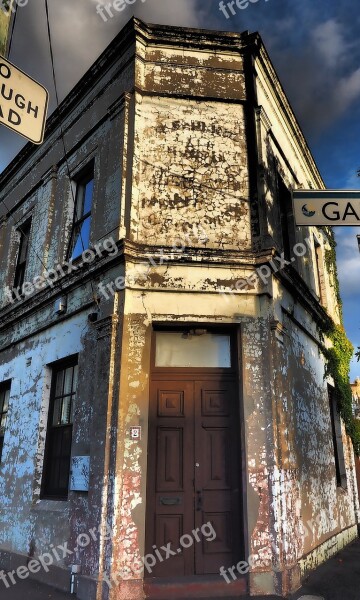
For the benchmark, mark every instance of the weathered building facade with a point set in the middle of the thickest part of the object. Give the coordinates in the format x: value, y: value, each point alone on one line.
x: 176, y: 365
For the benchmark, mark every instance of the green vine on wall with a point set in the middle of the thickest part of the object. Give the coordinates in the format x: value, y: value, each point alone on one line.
x: 338, y: 367
x: 340, y: 355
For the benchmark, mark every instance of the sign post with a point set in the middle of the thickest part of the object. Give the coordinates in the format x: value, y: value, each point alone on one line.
x: 23, y: 102
x: 327, y: 207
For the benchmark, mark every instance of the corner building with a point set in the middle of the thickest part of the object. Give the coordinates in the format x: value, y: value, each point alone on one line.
x: 163, y: 384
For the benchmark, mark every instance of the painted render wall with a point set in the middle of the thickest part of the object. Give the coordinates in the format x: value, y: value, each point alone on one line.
x: 29, y: 525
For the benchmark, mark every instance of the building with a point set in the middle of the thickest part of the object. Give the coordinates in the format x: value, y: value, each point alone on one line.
x: 355, y: 388
x: 161, y: 334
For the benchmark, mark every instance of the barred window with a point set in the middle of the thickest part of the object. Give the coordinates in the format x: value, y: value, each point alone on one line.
x: 59, y: 434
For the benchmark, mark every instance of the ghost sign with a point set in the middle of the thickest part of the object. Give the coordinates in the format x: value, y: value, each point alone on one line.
x: 23, y: 102
x: 327, y: 207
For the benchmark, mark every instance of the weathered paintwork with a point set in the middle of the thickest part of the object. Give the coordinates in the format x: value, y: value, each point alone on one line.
x: 187, y: 129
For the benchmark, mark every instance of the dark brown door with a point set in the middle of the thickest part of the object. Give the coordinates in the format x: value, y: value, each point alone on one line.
x: 193, y: 474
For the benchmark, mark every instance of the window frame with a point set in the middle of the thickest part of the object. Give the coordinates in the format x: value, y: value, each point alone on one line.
x: 286, y: 214
x: 25, y: 233
x: 5, y: 386
x: 186, y: 327
x: 79, y: 186
x: 319, y: 271
x: 336, y: 430
x: 49, y: 492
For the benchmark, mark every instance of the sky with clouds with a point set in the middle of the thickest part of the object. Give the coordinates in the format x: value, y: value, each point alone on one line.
x: 314, y: 45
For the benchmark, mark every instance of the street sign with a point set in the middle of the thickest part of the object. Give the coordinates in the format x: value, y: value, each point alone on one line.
x: 327, y: 207
x: 23, y: 102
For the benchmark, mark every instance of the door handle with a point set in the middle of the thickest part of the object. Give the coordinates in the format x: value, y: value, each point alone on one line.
x: 199, y: 500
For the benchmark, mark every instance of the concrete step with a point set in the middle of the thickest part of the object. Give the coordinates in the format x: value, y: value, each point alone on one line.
x: 194, y: 587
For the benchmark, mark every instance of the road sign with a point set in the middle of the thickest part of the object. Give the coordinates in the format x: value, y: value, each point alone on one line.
x: 327, y: 207
x: 23, y: 102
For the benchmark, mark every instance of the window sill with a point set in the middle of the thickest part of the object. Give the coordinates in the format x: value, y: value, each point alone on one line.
x: 51, y: 505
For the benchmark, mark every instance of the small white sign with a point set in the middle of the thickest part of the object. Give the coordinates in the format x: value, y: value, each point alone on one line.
x: 80, y: 473
x: 23, y: 102
x: 327, y: 207
x: 135, y: 433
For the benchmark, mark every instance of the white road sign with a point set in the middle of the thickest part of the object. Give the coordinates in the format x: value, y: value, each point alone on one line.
x: 23, y: 102
x: 327, y: 207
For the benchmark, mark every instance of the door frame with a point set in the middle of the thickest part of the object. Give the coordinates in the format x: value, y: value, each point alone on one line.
x: 178, y: 373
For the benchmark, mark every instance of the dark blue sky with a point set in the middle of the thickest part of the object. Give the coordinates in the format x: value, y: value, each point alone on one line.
x: 314, y: 45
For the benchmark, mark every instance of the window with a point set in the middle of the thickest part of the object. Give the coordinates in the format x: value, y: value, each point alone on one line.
x: 59, y: 433
x: 286, y: 218
x: 319, y: 272
x: 194, y: 348
x: 4, y: 407
x: 336, y: 431
x: 24, y: 232
x: 80, y: 236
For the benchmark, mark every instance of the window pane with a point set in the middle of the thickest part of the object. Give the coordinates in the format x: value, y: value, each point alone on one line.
x: 3, y: 424
x: 85, y: 232
x: 66, y: 411
x: 183, y: 350
x: 82, y: 238
x: 88, y: 193
x: 59, y: 383
x: 6, y: 401
x: 57, y: 411
x: 68, y: 381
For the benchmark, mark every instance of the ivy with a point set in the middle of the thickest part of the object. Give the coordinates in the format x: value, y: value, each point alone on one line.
x: 340, y: 354
x: 338, y: 367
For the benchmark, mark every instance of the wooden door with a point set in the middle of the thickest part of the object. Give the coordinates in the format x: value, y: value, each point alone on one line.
x: 193, y: 474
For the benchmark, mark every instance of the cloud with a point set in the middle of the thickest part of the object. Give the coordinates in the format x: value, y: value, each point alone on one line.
x: 348, y: 90
x: 349, y: 274
x: 329, y: 41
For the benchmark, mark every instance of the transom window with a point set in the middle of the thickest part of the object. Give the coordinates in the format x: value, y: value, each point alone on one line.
x: 59, y: 434
x: 194, y: 348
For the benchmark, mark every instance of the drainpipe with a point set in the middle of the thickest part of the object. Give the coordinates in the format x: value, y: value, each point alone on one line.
x: 75, y: 570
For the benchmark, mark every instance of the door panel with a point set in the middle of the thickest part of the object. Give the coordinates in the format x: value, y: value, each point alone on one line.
x: 170, y: 474
x: 218, y: 474
x: 193, y: 473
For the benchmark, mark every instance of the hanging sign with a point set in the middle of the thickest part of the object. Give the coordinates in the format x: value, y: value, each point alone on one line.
x: 23, y: 102
x: 327, y: 207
